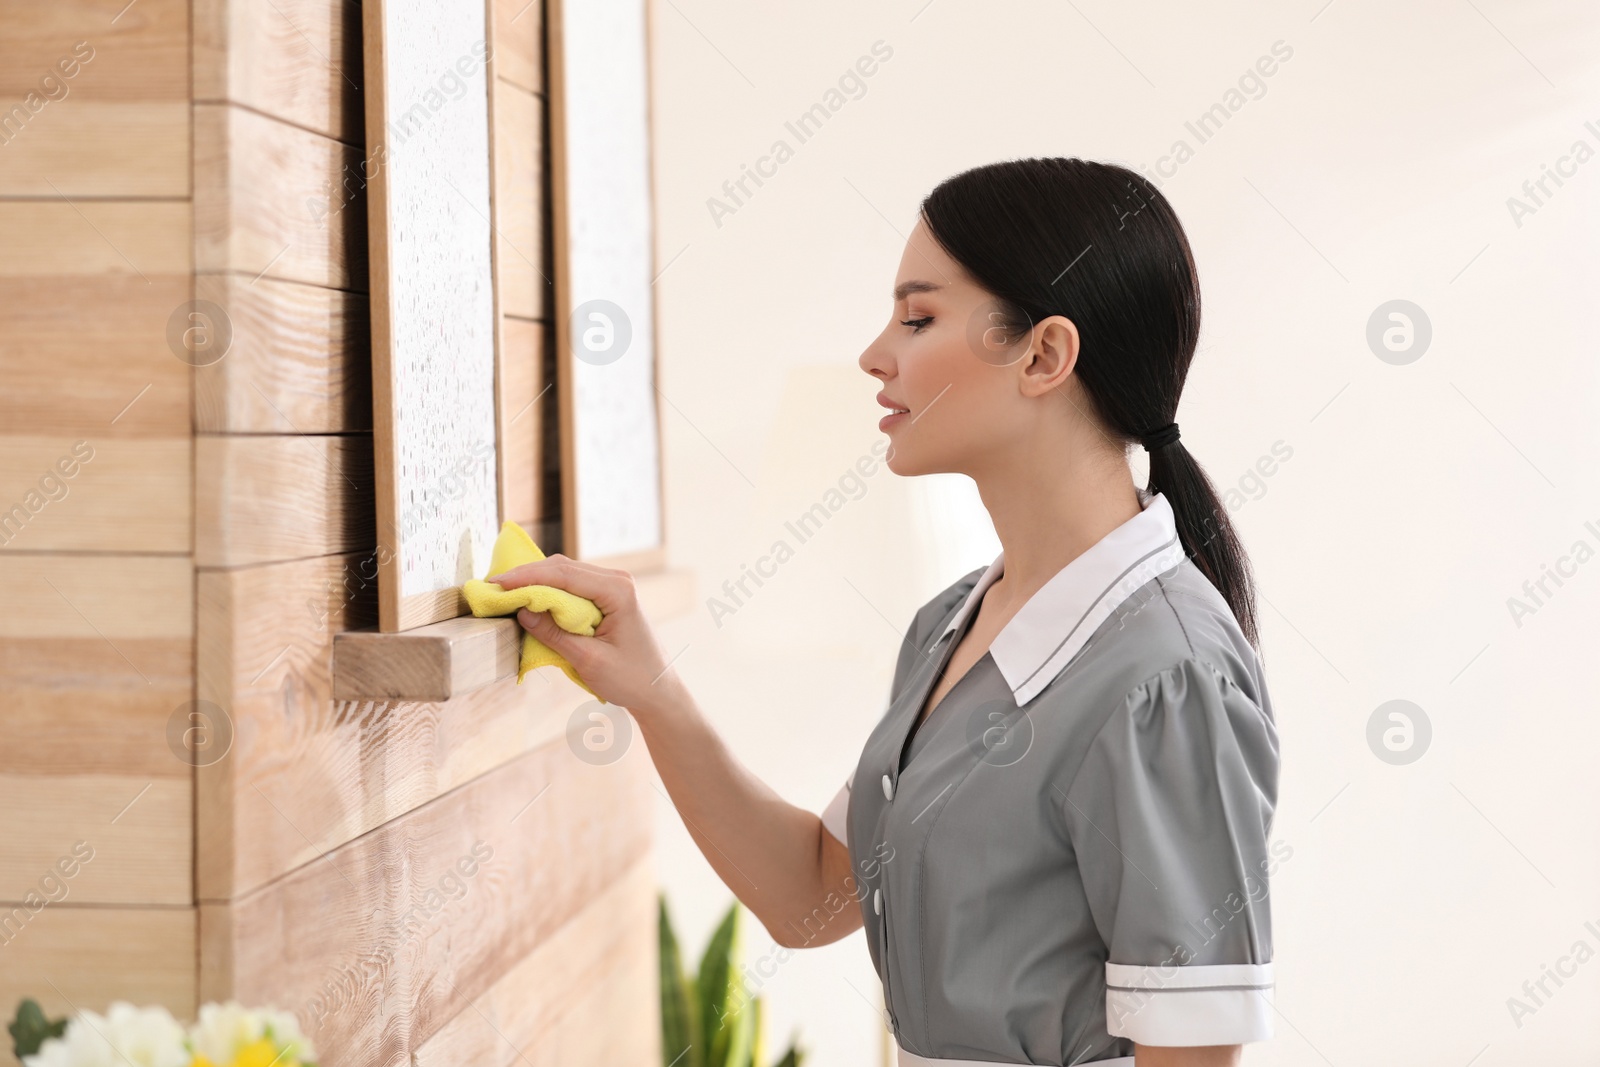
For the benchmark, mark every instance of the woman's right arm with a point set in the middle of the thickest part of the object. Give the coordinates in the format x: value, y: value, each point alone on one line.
x: 776, y: 858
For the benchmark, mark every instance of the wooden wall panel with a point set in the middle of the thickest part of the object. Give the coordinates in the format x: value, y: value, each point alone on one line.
x: 322, y: 834
x: 93, y: 238
x: 300, y: 360
x: 82, y: 148
x: 110, y: 374
x: 115, y: 271
x: 96, y: 648
x: 271, y: 498
x: 587, y: 994
x: 95, y: 658
x: 380, y: 945
x: 518, y: 29
x: 309, y: 774
x: 138, y: 831
x: 104, y: 99
x: 132, y: 496
x: 518, y: 188
x: 269, y: 200
x: 97, y: 955
x: 522, y: 396
x: 75, y: 705
x: 297, y: 60
x: 141, y: 54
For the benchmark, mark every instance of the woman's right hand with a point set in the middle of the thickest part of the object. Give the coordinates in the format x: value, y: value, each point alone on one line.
x: 623, y: 663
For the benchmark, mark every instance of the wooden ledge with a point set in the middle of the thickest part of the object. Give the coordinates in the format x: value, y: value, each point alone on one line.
x: 446, y: 659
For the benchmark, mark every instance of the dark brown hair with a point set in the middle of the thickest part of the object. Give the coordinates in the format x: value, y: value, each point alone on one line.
x: 1099, y: 244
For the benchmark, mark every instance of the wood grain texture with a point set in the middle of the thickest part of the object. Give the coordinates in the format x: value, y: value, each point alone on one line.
x: 92, y: 104
x: 81, y: 148
x: 519, y: 190
x: 95, y: 238
x: 522, y: 395
x: 430, y: 663
x: 260, y: 657
x: 88, y: 355
x: 297, y: 60
x: 140, y: 831
x: 260, y: 499
x: 68, y: 957
x: 76, y: 705
x: 141, y: 53
x: 95, y: 655
x: 308, y: 774
x: 117, y: 272
x: 587, y: 994
x: 273, y: 199
x: 379, y: 944
x: 299, y: 360
x: 108, y: 597
x: 95, y: 658
x: 518, y: 27
x: 133, y: 495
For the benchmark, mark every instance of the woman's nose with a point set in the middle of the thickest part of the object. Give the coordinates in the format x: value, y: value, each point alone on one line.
x: 873, y: 361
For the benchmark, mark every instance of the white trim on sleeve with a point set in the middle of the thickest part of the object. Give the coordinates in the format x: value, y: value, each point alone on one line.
x: 833, y: 816
x: 1223, y: 1004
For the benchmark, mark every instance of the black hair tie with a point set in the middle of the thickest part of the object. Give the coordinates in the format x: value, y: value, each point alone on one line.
x: 1161, y: 438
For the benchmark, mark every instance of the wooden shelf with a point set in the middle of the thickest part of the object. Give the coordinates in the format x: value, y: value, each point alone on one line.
x: 446, y: 659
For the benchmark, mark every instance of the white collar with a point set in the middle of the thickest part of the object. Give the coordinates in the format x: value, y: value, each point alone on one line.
x: 1053, y: 625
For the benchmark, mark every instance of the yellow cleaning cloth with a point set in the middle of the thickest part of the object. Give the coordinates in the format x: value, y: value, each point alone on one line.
x: 572, y: 613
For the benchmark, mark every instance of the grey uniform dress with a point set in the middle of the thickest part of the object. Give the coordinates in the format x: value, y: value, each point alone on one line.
x: 1070, y: 854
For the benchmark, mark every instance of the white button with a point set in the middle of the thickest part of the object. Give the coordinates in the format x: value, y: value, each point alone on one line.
x: 888, y: 788
x: 877, y: 902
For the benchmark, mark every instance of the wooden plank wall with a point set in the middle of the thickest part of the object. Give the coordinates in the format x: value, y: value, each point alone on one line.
x: 387, y: 871
x: 522, y: 260
x: 437, y: 883
x: 96, y: 569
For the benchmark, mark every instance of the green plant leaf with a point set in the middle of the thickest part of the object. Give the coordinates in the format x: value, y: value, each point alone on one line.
x: 30, y: 1028
x: 678, y: 1029
x: 740, y: 1031
x: 714, y: 982
x: 757, y: 1054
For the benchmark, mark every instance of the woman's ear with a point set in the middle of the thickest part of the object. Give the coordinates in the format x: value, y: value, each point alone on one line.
x: 1053, y: 356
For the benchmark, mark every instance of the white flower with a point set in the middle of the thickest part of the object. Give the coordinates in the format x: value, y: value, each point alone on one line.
x: 285, y: 1030
x: 143, y: 1037
x: 224, y: 1029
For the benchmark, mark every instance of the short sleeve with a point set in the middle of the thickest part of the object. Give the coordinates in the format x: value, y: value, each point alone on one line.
x: 1169, y: 815
x: 833, y: 816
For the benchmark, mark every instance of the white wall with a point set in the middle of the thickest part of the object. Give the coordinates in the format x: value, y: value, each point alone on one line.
x: 1418, y: 498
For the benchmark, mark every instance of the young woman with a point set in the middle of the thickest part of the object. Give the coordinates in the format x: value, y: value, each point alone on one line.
x: 1060, y: 850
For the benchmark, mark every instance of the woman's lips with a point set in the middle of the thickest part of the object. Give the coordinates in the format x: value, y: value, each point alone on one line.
x: 892, y: 419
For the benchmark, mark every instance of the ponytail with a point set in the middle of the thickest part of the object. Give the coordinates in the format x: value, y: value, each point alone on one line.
x: 1205, y: 531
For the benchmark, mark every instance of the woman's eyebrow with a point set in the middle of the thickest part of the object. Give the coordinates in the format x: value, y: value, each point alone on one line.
x: 905, y: 289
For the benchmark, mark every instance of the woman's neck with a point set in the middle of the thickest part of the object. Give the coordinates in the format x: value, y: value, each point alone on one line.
x: 1048, y: 514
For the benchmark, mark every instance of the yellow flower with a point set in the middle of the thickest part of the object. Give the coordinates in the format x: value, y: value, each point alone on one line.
x: 263, y: 1053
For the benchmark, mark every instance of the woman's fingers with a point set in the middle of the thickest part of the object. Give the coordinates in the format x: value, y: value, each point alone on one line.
x: 622, y: 662
x: 540, y: 625
x: 609, y: 589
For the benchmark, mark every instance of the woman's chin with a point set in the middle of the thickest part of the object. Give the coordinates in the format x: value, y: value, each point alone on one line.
x: 900, y: 463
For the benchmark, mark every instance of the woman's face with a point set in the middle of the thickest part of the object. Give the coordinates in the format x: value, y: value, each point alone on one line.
x: 968, y: 395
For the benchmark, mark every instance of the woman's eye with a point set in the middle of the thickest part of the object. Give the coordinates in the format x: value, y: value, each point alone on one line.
x: 917, y: 324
